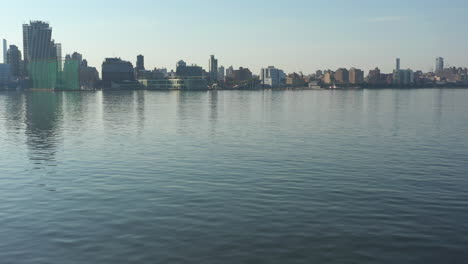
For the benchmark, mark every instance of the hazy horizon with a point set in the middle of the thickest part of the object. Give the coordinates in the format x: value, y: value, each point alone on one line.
x: 295, y: 36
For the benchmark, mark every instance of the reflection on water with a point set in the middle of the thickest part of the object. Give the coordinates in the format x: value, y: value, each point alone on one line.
x: 43, y: 115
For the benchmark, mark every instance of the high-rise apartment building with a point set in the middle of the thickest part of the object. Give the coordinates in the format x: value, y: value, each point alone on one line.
x: 439, y: 64
x: 37, y: 41
x: 397, y: 64
x: 221, y: 73
x: 272, y: 77
x: 356, y: 76
x: 14, y: 59
x: 342, y: 75
x: 140, y: 63
x: 213, y: 68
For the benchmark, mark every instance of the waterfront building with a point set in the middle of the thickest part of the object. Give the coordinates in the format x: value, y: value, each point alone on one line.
x: 374, y: 76
x: 221, y: 73
x: 230, y: 73
x: 140, y: 63
x: 272, y: 77
x: 176, y: 83
x: 13, y: 58
x: 4, y: 51
x: 37, y: 41
x: 213, y: 69
x: 329, y: 77
x: 342, y: 76
x: 397, y: 67
x: 403, y: 77
x: 439, y: 64
x: 182, y: 70
x: 242, y: 74
x: 40, y: 55
x: 356, y: 76
x: 115, y: 70
x: 295, y: 80
x: 89, y: 77
x: 4, y: 74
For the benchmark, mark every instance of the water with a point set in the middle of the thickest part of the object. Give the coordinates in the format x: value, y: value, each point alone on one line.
x: 234, y: 177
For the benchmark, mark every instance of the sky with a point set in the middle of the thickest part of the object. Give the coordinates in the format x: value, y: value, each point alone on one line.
x: 294, y: 35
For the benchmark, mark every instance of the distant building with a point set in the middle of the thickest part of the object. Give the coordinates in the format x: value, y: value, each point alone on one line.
x: 356, y: 76
x: 374, y: 76
x: 89, y: 78
x: 37, y: 41
x: 213, y: 68
x: 329, y: 77
x: 295, y: 80
x: 342, y: 76
x: 403, y: 77
x: 183, y: 70
x: 272, y: 77
x: 4, y: 51
x: 242, y: 74
x: 78, y: 57
x: 4, y: 74
x: 14, y: 60
x: 230, y: 73
x: 140, y: 63
x: 439, y: 64
x: 397, y: 67
x: 115, y: 70
x: 221, y: 73
x: 177, y: 83
x: 42, y: 64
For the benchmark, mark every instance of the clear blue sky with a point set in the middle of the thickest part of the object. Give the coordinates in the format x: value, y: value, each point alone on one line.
x: 295, y: 35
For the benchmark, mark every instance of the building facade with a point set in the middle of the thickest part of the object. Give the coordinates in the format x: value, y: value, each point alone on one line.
x: 178, y: 83
x: 242, y: 74
x: 439, y: 64
x: 356, y: 76
x: 272, y: 77
x: 213, y: 69
x: 342, y: 76
x: 14, y: 60
x: 221, y: 73
x: 116, y: 70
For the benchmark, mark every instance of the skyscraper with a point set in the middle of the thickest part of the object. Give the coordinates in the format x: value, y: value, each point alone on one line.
x: 221, y: 73
x: 14, y: 59
x: 397, y: 64
x: 213, y: 68
x: 140, y: 64
x: 439, y: 64
x: 272, y: 77
x: 4, y: 51
x: 37, y: 41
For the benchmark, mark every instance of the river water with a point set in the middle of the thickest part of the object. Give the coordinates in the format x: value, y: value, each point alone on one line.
x: 367, y: 176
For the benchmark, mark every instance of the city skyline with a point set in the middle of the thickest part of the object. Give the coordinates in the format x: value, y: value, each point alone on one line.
x: 254, y: 35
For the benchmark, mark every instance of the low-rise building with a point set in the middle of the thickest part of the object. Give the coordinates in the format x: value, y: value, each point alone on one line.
x: 177, y: 83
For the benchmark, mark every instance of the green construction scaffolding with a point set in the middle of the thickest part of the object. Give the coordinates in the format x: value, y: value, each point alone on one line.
x: 47, y: 74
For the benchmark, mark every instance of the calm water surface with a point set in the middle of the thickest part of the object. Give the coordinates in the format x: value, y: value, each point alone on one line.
x: 234, y: 177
